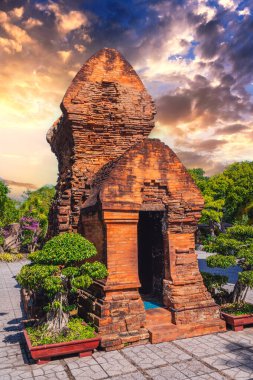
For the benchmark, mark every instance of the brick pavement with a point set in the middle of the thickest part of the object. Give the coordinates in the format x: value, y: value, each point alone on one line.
x: 212, y: 357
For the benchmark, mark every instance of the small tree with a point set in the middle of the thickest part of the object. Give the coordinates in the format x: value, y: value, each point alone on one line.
x: 29, y: 233
x: 9, y: 209
x: 59, y: 270
x: 212, y: 214
x: 235, y: 247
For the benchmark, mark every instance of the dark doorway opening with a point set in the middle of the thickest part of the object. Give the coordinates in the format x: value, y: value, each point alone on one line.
x: 151, y: 253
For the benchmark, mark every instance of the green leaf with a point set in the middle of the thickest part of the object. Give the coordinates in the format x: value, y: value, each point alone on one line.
x: 82, y: 282
x: 221, y: 261
x: 95, y: 270
x: 65, y: 249
x: 246, y: 278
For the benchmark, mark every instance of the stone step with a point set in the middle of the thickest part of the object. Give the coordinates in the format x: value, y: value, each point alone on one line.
x: 168, y: 332
x: 158, y: 316
x: 163, y: 333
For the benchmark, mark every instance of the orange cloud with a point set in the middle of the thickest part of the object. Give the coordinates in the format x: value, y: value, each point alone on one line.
x: 64, y: 54
x: 17, y: 12
x: 65, y: 22
x: 32, y: 22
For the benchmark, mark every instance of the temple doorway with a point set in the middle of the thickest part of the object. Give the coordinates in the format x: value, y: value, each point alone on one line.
x: 151, y: 257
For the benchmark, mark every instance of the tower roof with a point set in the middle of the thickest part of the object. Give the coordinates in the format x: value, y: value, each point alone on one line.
x: 107, y: 65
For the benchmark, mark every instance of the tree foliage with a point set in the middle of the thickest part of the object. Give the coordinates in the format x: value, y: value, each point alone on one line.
x: 31, y: 214
x: 235, y: 247
x: 235, y: 186
x: 9, y: 212
x: 37, y: 204
x: 228, y: 195
x: 59, y: 270
x: 212, y: 213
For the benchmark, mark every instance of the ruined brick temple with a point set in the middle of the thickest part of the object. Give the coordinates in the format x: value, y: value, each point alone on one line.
x: 133, y: 198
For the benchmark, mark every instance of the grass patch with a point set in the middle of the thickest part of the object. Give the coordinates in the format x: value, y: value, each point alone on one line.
x: 237, y: 308
x: 76, y: 331
x: 10, y: 257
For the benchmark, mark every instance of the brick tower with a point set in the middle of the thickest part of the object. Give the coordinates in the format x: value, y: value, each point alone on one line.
x: 133, y: 198
x: 105, y: 111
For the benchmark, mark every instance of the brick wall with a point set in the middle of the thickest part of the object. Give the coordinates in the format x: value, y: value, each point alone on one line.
x: 106, y: 110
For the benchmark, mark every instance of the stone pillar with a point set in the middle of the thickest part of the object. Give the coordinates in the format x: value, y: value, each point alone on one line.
x: 184, y: 292
x: 116, y: 308
x: 122, y: 248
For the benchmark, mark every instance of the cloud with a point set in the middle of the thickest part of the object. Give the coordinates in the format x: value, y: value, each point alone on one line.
x: 203, y: 8
x: 10, y: 46
x: 32, y: 22
x: 64, y: 54
x: 208, y: 145
x: 244, y: 12
x: 200, y: 103
x: 195, y: 160
x: 65, y: 22
x: 197, y: 66
x: 3, y: 17
x: 17, y: 33
x: 209, y: 37
x: 17, y: 12
x: 80, y: 48
x: 232, y: 129
x: 15, y: 37
x: 173, y: 108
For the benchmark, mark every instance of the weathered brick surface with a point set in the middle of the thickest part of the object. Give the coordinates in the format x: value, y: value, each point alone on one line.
x: 106, y: 110
x: 109, y: 172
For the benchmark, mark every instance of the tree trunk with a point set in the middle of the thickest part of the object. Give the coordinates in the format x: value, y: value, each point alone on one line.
x: 238, y: 292
x: 57, y: 318
x: 211, y: 228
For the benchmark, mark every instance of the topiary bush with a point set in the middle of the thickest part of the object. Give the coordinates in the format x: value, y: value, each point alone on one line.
x: 58, y: 271
x: 214, y: 284
x: 235, y: 247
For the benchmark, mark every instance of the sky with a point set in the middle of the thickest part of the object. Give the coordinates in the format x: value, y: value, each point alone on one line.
x: 195, y: 58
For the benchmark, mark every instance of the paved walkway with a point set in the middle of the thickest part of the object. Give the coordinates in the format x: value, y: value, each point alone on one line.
x: 211, y: 357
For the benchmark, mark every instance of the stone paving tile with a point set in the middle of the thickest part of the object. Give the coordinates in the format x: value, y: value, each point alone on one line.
x: 12, y: 355
x: 85, y: 368
x: 130, y: 376
x: 7, y: 338
x: 210, y: 376
x: 169, y: 352
x: 19, y: 373
x: 143, y: 356
x: 206, y: 345
x: 13, y: 361
x: 230, y: 359
x: 54, y: 370
x: 113, y: 363
x: 193, y: 368
x: 165, y: 373
x: 229, y: 353
x: 243, y: 338
x: 239, y: 373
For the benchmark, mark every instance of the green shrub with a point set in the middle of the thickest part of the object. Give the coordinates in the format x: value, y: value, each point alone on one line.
x: 221, y: 261
x: 64, y: 249
x: 238, y: 308
x: 57, y: 272
x: 214, y: 281
x: 10, y: 257
x: 39, y: 335
x: 235, y: 247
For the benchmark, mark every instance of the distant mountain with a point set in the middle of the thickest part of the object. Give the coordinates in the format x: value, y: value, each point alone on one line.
x: 18, y: 188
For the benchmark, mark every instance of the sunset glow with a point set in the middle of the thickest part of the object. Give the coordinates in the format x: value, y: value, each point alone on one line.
x: 194, y: 57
